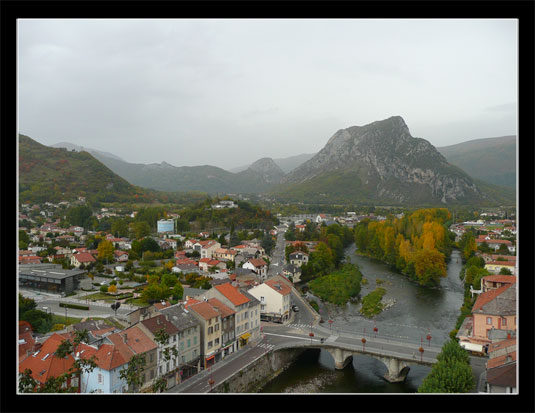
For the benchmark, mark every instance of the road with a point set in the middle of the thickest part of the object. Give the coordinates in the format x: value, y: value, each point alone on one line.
x: 50, y: 303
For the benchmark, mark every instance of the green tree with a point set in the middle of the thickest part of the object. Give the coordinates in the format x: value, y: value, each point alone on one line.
x: 452, y: 377
x: 78, y: 215
x: 132, y: 372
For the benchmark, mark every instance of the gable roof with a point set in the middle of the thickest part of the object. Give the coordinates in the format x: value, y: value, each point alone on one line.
x: 497, y: 301
x: 223, y: 310
x: 84, y: 257
x: 232, y: 294
x: 136, y: 340
x: 111, y: 356
x: 204, y: 309
x: 279, y: 286
x: 44, y: 363
x: 155, y: 324
x: 257, y: 262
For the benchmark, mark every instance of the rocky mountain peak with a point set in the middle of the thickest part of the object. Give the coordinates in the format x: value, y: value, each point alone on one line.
x: 267, y: 169
x: 385, y: 157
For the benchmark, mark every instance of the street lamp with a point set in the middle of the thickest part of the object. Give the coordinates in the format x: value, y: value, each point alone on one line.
x: 421, y: 349
x: 211, y: 381
x: 331, y: 324
x: 429, y: 337
x: 375, y: 329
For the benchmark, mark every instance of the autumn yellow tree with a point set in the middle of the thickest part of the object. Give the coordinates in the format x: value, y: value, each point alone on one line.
x: 112, y: 289
x: 105, y: 250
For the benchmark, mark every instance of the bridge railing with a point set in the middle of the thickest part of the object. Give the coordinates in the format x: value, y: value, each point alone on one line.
x: 352, y: 333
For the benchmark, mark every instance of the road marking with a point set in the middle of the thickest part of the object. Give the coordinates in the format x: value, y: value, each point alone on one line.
x: 281, y: 335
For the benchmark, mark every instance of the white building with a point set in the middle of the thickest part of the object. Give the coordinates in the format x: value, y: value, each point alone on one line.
x: 274, y: 297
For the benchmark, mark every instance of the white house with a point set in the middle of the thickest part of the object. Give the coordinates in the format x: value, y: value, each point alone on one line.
x: 257, y: 265
x: 274, y: 297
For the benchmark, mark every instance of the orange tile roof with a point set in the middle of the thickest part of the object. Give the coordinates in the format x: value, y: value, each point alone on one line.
x: 257, y: 262
x: 111, y: 356
x: 42, y: 366
x: 232, y: 294
x: 500, y: 278
x: 136, y: 340
x: 284, y: 289
x: 501, y: 360
x: 204, y: 309
x: 222, y: 308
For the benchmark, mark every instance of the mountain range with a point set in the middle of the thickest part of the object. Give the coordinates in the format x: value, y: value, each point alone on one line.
x: 380, y: 162
x: 492, y: 160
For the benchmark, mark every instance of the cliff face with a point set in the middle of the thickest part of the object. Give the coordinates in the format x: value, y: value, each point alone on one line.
x: 386, y: 163
x: 267, y: 170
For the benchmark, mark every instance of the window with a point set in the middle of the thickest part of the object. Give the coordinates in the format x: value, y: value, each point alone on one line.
x: 151, y: 357
x: 100, y: 379
x: 489, y: 320
x: 216, y: 341
x: 189, y: 342
x: 504, y: 321
x: 210, y: 344
x: 194, y: 340
x: 261, y: 299
x: 183, y: 359
x: 181, y: 346
x: 217, y: 327
x: 152, y: 374
x: 246, y: 326
x: 210, y: 330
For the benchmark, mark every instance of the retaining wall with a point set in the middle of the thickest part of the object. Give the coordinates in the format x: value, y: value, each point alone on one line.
x: 259, y: 372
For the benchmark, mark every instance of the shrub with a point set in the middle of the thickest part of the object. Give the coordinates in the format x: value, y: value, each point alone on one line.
x: 75, y: 306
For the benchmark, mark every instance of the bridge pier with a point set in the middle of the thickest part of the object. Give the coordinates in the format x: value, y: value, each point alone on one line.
x: 397, y: 369
x: 341, y: 358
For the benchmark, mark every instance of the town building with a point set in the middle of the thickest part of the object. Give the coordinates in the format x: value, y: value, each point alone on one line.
x: 210, y: 322
x: 49, y: 278
x: 189, y: 340
x: 274, y: 296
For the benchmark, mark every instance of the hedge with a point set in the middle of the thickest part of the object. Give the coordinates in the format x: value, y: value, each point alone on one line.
x: 75, y: 306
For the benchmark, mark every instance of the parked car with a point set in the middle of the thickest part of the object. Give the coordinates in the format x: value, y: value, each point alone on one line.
x: 295, y: 308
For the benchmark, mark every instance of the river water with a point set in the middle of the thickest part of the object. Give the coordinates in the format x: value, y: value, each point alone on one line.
x: 415, y: 313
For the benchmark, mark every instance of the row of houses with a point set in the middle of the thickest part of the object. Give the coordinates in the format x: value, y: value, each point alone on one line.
x: 200, y: 331
x: 491, y: 329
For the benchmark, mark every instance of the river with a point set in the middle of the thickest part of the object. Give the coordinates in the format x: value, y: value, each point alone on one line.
x: 416, y: 312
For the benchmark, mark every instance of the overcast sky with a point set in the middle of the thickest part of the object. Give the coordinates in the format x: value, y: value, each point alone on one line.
x: 228, y: 92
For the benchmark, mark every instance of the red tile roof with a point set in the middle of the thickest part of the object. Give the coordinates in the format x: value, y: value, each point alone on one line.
x: 45, y: 363
x: 204, y: 309
x: 232, y: 294
x: 279, y: 287
x: 136, y: 340
x: 257, y: 262
x: 85, y: 257
x: 222, y: 308
x: 111, y: 356
x: 487, y: 297
x: 511, y: 279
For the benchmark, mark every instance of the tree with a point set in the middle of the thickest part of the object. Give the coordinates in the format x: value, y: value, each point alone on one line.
x: 268, y: 243
x: 112, y: 289
x: 132, y: 373
x: 78, y: 215
x: 105, y: 250
x: 452, y: 372
x: 429, y: 266
x: 505, y: 271
x: 139, y: 229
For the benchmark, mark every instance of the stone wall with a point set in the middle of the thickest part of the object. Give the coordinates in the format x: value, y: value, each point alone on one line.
x: 259, y: 372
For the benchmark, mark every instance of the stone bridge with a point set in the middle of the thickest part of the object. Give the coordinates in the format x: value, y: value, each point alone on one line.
x: 396, y: 356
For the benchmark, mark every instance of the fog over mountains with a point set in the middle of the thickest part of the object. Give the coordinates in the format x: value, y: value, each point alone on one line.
x: 378, y: 162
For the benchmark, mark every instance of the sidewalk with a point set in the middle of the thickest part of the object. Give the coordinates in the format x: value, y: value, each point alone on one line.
x: 204, y: 374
